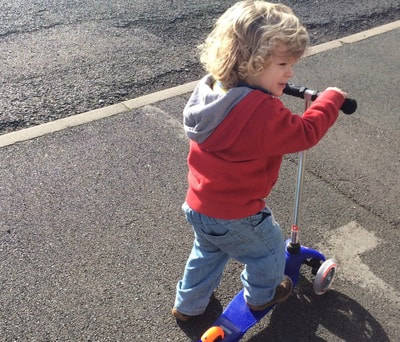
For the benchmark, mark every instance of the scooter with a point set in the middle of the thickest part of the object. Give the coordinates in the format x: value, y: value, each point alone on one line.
x: 237, y: 318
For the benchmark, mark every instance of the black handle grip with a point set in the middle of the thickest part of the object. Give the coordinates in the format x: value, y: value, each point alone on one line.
x: 349, y: 106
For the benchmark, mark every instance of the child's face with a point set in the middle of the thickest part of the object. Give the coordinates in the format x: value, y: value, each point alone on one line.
x: 278, y: 72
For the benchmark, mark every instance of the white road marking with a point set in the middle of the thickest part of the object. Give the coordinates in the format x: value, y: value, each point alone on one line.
x: 159, y: 114
x: 325, y: 335
x: 346, y: 245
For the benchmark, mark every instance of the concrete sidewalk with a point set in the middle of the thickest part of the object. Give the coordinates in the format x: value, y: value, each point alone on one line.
x: 93, y: 240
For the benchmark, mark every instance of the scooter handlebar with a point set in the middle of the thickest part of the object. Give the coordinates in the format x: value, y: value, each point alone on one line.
x: 349, y: 106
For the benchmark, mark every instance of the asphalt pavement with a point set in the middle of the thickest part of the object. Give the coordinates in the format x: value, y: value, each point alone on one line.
x: 93, y: 241
x: 61, y: 58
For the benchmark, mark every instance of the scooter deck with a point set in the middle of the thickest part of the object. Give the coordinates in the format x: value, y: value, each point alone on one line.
x: 237, y: 318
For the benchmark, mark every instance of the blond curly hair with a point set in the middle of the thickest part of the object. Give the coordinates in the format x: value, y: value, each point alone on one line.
x: 244, y: 39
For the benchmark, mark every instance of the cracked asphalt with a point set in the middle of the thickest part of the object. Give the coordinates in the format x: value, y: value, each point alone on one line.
x: 63, y: 58
x: 92, y: 238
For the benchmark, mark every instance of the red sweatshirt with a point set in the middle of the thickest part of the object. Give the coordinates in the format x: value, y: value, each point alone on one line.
x: 234, y: 165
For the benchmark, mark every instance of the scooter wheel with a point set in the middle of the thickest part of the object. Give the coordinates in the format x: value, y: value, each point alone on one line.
x: 325, y: 276
x: 213, y: 334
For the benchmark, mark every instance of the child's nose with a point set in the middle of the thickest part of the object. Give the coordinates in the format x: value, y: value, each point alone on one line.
x: 290, y: 72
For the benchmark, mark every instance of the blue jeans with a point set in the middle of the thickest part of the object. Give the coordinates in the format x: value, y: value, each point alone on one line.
x: 256, y: 241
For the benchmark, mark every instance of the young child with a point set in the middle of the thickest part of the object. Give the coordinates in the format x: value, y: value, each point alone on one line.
x: 239, y: 131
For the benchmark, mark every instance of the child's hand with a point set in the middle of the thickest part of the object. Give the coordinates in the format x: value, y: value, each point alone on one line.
x: 344, y: 94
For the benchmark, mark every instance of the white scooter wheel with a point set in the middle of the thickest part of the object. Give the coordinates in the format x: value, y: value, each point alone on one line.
x: 325, y: 276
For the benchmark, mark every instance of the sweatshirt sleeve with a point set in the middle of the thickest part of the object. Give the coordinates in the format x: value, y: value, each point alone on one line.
x: 285, y: 132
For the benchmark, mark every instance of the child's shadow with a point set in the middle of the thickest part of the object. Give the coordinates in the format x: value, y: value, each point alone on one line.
x: 302, y: 318
x: 305, y: 315
x: 196, y: 326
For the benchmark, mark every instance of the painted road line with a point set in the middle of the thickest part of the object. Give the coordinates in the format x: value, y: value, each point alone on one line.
x: 354, y: 38
x: 346, y: 244
x: 93, y: 115
x: 166, y: 119
x: 119, y: 108
x: 60, y: 124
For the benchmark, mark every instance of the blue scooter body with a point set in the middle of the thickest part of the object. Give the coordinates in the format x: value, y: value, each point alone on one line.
x: 237, y: 318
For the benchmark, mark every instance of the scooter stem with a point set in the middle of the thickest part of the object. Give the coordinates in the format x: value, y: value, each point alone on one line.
x: 308, y: 94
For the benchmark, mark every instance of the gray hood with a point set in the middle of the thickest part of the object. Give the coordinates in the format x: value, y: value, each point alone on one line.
x: 206, y: 109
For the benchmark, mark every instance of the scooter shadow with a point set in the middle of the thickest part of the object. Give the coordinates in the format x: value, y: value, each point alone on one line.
x: 302, y: 318
x: 305, y: 315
